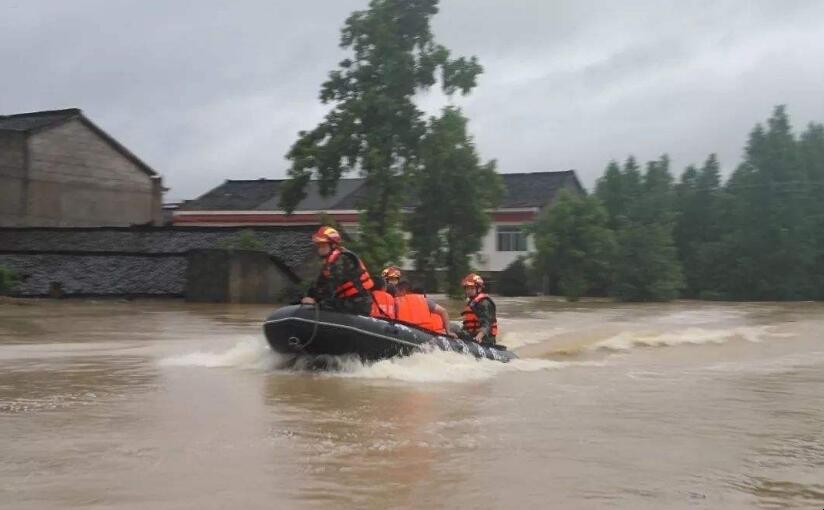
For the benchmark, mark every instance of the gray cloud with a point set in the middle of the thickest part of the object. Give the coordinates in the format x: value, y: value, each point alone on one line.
x: 210, y: 90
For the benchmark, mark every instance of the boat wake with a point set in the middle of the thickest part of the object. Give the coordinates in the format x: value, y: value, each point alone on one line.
x: 435, y: 366
x: 253, y: 353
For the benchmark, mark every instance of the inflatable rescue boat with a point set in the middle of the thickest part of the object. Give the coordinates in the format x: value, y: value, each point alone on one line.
x: 309, y: 330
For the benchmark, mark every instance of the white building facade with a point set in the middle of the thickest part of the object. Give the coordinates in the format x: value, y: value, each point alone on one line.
x: 254, y: 203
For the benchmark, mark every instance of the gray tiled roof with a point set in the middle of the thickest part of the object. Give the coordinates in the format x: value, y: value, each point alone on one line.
x: 314, y: 201
x: 235, y: 196
x: 535, y: 189
x: 36, y: 120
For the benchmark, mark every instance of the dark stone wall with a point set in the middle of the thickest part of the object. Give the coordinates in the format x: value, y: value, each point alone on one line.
x: 155, y: 261
x: 96, y: 275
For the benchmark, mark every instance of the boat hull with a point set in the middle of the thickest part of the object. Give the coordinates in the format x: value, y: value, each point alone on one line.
x: 305, y: 330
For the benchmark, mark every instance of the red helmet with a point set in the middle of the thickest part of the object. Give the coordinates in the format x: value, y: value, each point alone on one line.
x: 472, y: 280
x: 326, y: 234
x: 391, y: 272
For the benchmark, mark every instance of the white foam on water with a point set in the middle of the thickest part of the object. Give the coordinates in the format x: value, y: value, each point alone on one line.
x: 443, y: 366
x: 252, y: 353
x: 520, y: 332
x: 628, y: 340
x: 434, y: 366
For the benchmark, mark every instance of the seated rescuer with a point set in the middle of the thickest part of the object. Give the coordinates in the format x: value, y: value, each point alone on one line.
x: 479, y: 319
x: 392, y: 276
x: 383, y: 303
x: 417, y: 309
x: 344, y: 284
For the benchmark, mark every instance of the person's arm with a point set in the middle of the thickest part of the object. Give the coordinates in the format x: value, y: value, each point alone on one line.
x: 484, y: 314
x: 444, y: 315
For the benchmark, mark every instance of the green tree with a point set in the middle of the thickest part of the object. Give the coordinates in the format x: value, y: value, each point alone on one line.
x: 374, y: 126
x: 574, y: 244
x: 811, y: 147
x: 646, y: 266
x: 619, y: 189
x: 772, y: 230
x: 453, y: 194
x: 699, y: 227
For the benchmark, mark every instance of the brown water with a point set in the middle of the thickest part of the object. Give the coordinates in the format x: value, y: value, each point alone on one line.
x: 169, y: 405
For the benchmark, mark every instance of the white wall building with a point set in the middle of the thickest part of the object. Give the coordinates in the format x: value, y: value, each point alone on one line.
x: 255, y: 202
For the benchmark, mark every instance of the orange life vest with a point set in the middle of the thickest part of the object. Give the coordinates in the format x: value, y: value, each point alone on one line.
x: 348, y: 289
x: 413, y: 309
x: 470, y: 318
x: 383, y: 305
x: 436, y: 323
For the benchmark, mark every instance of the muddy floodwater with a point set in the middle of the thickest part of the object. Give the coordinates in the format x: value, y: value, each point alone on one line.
x: 167, y: 405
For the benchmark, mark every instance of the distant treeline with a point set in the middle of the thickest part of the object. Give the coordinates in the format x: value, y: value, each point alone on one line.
x: 642, y: 236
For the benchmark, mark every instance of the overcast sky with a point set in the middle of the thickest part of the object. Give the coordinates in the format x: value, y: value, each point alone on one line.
x: 210, y: 90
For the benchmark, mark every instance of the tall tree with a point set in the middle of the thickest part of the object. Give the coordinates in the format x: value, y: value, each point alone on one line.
x: 646, y: 266
x: 574, y: 244
x: 699, y: 227
x: 454, y: 193
x: 772, y: 232
x: 374, y: 126
x: 811, y: 147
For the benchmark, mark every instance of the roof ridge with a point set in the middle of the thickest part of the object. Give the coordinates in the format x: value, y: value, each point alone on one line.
x: 43, y: 113
x: 537, y: 173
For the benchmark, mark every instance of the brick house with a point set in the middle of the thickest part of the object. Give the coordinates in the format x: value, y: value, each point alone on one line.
x: 58, y: 169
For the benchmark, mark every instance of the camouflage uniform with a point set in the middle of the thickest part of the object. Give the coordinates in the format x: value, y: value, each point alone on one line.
x: 344, y: 269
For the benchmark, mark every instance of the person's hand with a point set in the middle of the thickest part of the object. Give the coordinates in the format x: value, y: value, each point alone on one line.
x: 479, y: 337
x: 451, y: 334
x: 307, y: 301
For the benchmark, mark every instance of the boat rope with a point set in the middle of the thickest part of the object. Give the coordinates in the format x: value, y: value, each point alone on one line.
x: 295, y: 341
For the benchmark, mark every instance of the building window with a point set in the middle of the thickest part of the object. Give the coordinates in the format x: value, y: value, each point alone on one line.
x: 511, y: 238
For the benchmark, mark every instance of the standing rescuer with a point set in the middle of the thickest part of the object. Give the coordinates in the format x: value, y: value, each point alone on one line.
x: 344, y: 284
x: 479, y: 319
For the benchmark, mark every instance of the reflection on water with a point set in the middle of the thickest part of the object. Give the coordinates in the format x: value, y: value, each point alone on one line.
x: 163, y: 404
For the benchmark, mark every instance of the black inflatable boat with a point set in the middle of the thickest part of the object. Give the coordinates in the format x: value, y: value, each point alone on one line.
x: 305, y: 329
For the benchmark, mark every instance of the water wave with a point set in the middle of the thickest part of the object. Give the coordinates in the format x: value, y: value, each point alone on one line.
x: 628, y: 340
x: 435, y: 366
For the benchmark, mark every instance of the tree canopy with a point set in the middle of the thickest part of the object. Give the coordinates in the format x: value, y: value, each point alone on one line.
x: 374, y: 126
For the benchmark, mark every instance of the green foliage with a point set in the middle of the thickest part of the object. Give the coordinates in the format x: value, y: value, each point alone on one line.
x: 772, y: 218
x: 700, y: 202
x: 514, y: 280
x: 243, y: 240
x: 574, y: 244
x: 8, y: 280
x: 642, y: 215
x: 646, y: 265
x: 374, y: 126
x: 453, y: 193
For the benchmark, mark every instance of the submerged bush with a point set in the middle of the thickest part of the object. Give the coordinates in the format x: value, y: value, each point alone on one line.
x: 8, y: 280
x: 513, y: 281
x: 243, y: 240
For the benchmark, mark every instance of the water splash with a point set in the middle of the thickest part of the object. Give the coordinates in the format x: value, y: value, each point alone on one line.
x: 435, y: 366
x: 250, y: 353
